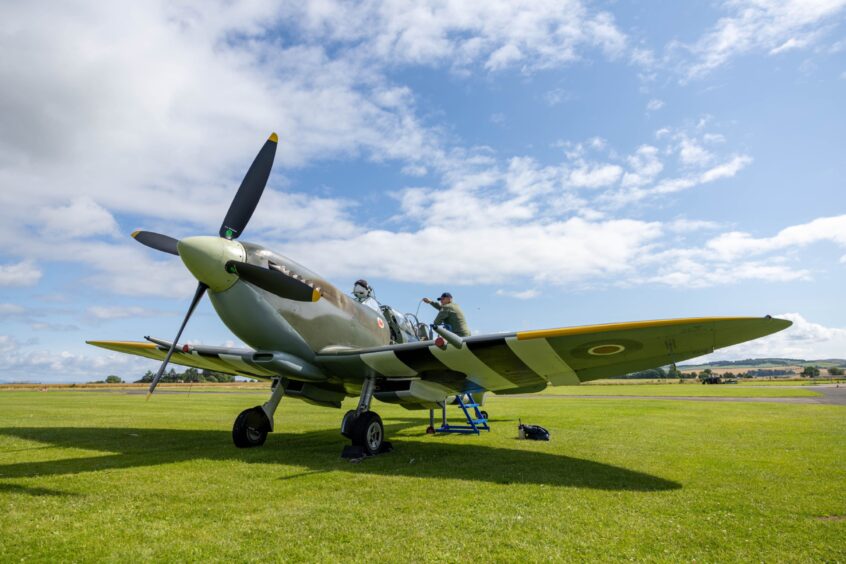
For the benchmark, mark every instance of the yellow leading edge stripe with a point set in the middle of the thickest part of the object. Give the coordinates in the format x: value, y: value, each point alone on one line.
x: 130, y: 344
x: 546, y: 333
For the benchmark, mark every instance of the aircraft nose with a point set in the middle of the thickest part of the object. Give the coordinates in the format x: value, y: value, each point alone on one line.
x: 206, y: 258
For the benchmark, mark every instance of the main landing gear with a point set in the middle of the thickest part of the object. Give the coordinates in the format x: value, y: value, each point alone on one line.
x: 252, y: 425
x: 364, y: 428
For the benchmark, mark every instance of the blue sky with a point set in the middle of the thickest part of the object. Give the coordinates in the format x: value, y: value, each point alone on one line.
x: 549, y: 163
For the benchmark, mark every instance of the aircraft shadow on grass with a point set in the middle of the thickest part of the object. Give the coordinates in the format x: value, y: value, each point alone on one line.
x: 317, y: 451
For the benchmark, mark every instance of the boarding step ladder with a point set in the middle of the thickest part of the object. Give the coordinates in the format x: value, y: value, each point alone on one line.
x: 476, y: 421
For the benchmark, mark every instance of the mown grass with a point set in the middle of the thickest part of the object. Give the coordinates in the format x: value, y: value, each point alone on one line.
x: 105, y: 475
x: 697, y: 390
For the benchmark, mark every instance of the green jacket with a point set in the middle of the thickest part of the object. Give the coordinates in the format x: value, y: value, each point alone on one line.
x: 451, y: 315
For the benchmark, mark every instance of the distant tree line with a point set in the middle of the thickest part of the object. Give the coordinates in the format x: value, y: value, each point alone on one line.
x: 190, y: 375
x: 673, y: 373
x: 757, y: 361
x: 172, y: 376
x: 654, y: 374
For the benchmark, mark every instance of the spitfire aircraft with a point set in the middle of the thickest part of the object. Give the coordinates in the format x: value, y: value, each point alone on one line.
x: 319, y: 345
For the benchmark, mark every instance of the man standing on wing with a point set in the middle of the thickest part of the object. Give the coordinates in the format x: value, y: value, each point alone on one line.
x: 449, y: 315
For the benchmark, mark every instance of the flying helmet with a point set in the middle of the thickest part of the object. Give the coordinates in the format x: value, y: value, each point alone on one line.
x: 362, y: 290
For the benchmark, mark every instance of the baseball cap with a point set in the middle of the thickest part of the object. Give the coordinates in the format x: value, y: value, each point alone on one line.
x: 445, y: 295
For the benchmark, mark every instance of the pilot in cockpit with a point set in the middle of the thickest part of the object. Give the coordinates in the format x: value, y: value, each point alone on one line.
x: 363, y: 294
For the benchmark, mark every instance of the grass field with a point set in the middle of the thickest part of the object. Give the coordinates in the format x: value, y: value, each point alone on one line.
x: 698, y: 390
x: 90, y: 475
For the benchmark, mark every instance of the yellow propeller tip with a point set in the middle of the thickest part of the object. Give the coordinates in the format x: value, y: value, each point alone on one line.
x: 135, y: 233
x: 315, y: 295
x: 148, y: 395
x: 273, y: 137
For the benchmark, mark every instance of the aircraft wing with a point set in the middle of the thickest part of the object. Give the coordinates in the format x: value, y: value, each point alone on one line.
x: 529, y: 360
x: 219, y: 359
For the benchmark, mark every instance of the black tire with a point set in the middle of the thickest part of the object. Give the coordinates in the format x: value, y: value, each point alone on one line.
x: 484, y: 415
x: 368, y: 432
x: 347, y: 424
x: 250, y: 428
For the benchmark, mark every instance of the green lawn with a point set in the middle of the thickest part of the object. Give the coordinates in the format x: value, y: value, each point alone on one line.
x: 105, y: 475
x: 698, y: 390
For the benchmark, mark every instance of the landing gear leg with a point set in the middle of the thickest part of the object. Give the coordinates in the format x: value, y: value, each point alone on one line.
x: 252, y: 425
x: 364, y: 427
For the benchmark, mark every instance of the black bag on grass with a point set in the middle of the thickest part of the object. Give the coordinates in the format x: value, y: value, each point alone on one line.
x: 532, y: 432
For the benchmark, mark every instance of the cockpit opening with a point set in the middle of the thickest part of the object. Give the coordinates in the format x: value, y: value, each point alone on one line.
x: 405, y: 327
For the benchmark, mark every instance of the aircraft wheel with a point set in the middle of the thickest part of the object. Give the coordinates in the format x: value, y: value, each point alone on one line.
x: 368, y: 432
x: 347, y: 424
x: 250, y: 428
x: 484, y: 414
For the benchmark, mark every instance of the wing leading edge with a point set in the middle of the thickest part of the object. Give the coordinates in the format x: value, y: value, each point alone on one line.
x: 218, y: 359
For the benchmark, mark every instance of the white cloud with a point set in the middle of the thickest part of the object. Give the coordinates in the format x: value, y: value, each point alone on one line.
x: 761, y: 25
x: 81, y: 218
x: 804, y: 340
x: 689, y: 271
x: 9, y: 310
x: 8, y: 344
x: 415, y: 170
x: 557, y: 96
x: 523, y: 295
x: 595, y: 177
x: 693, y: 154
x: 788, y: 45
x: 736, y: 256
x: 498, y: 118
x: 19, y: 365
x: 726, y: 169
x: 497, y: 34
x: 736, y: 244
x: 684, y: 225
x: 176, y: 109
x: 559, y: 253
x: 23, y: 273
x: 120, y: 312
x: 645, y: 166
x: 654, y: 105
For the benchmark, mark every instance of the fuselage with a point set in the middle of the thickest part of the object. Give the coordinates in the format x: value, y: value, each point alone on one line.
x: 265, y: 321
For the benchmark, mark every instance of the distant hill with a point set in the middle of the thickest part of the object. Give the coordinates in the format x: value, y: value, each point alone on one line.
x: 766, y: 363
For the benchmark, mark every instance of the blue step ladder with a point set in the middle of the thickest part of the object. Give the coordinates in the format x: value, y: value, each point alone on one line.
x: 475, y: 421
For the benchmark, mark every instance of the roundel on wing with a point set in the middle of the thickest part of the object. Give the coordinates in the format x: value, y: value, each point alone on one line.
x: 605, y: 348
x: 380, y: 323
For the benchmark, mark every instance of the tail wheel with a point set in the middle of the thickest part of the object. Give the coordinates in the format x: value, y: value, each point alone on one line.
x: 368, y: 432
x: 250, y: 428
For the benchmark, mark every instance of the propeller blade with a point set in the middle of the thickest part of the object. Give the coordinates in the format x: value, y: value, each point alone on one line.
x: 247, y: 198
x: 156, y: 241
x: 274, y: 281
x: 201, y: 289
